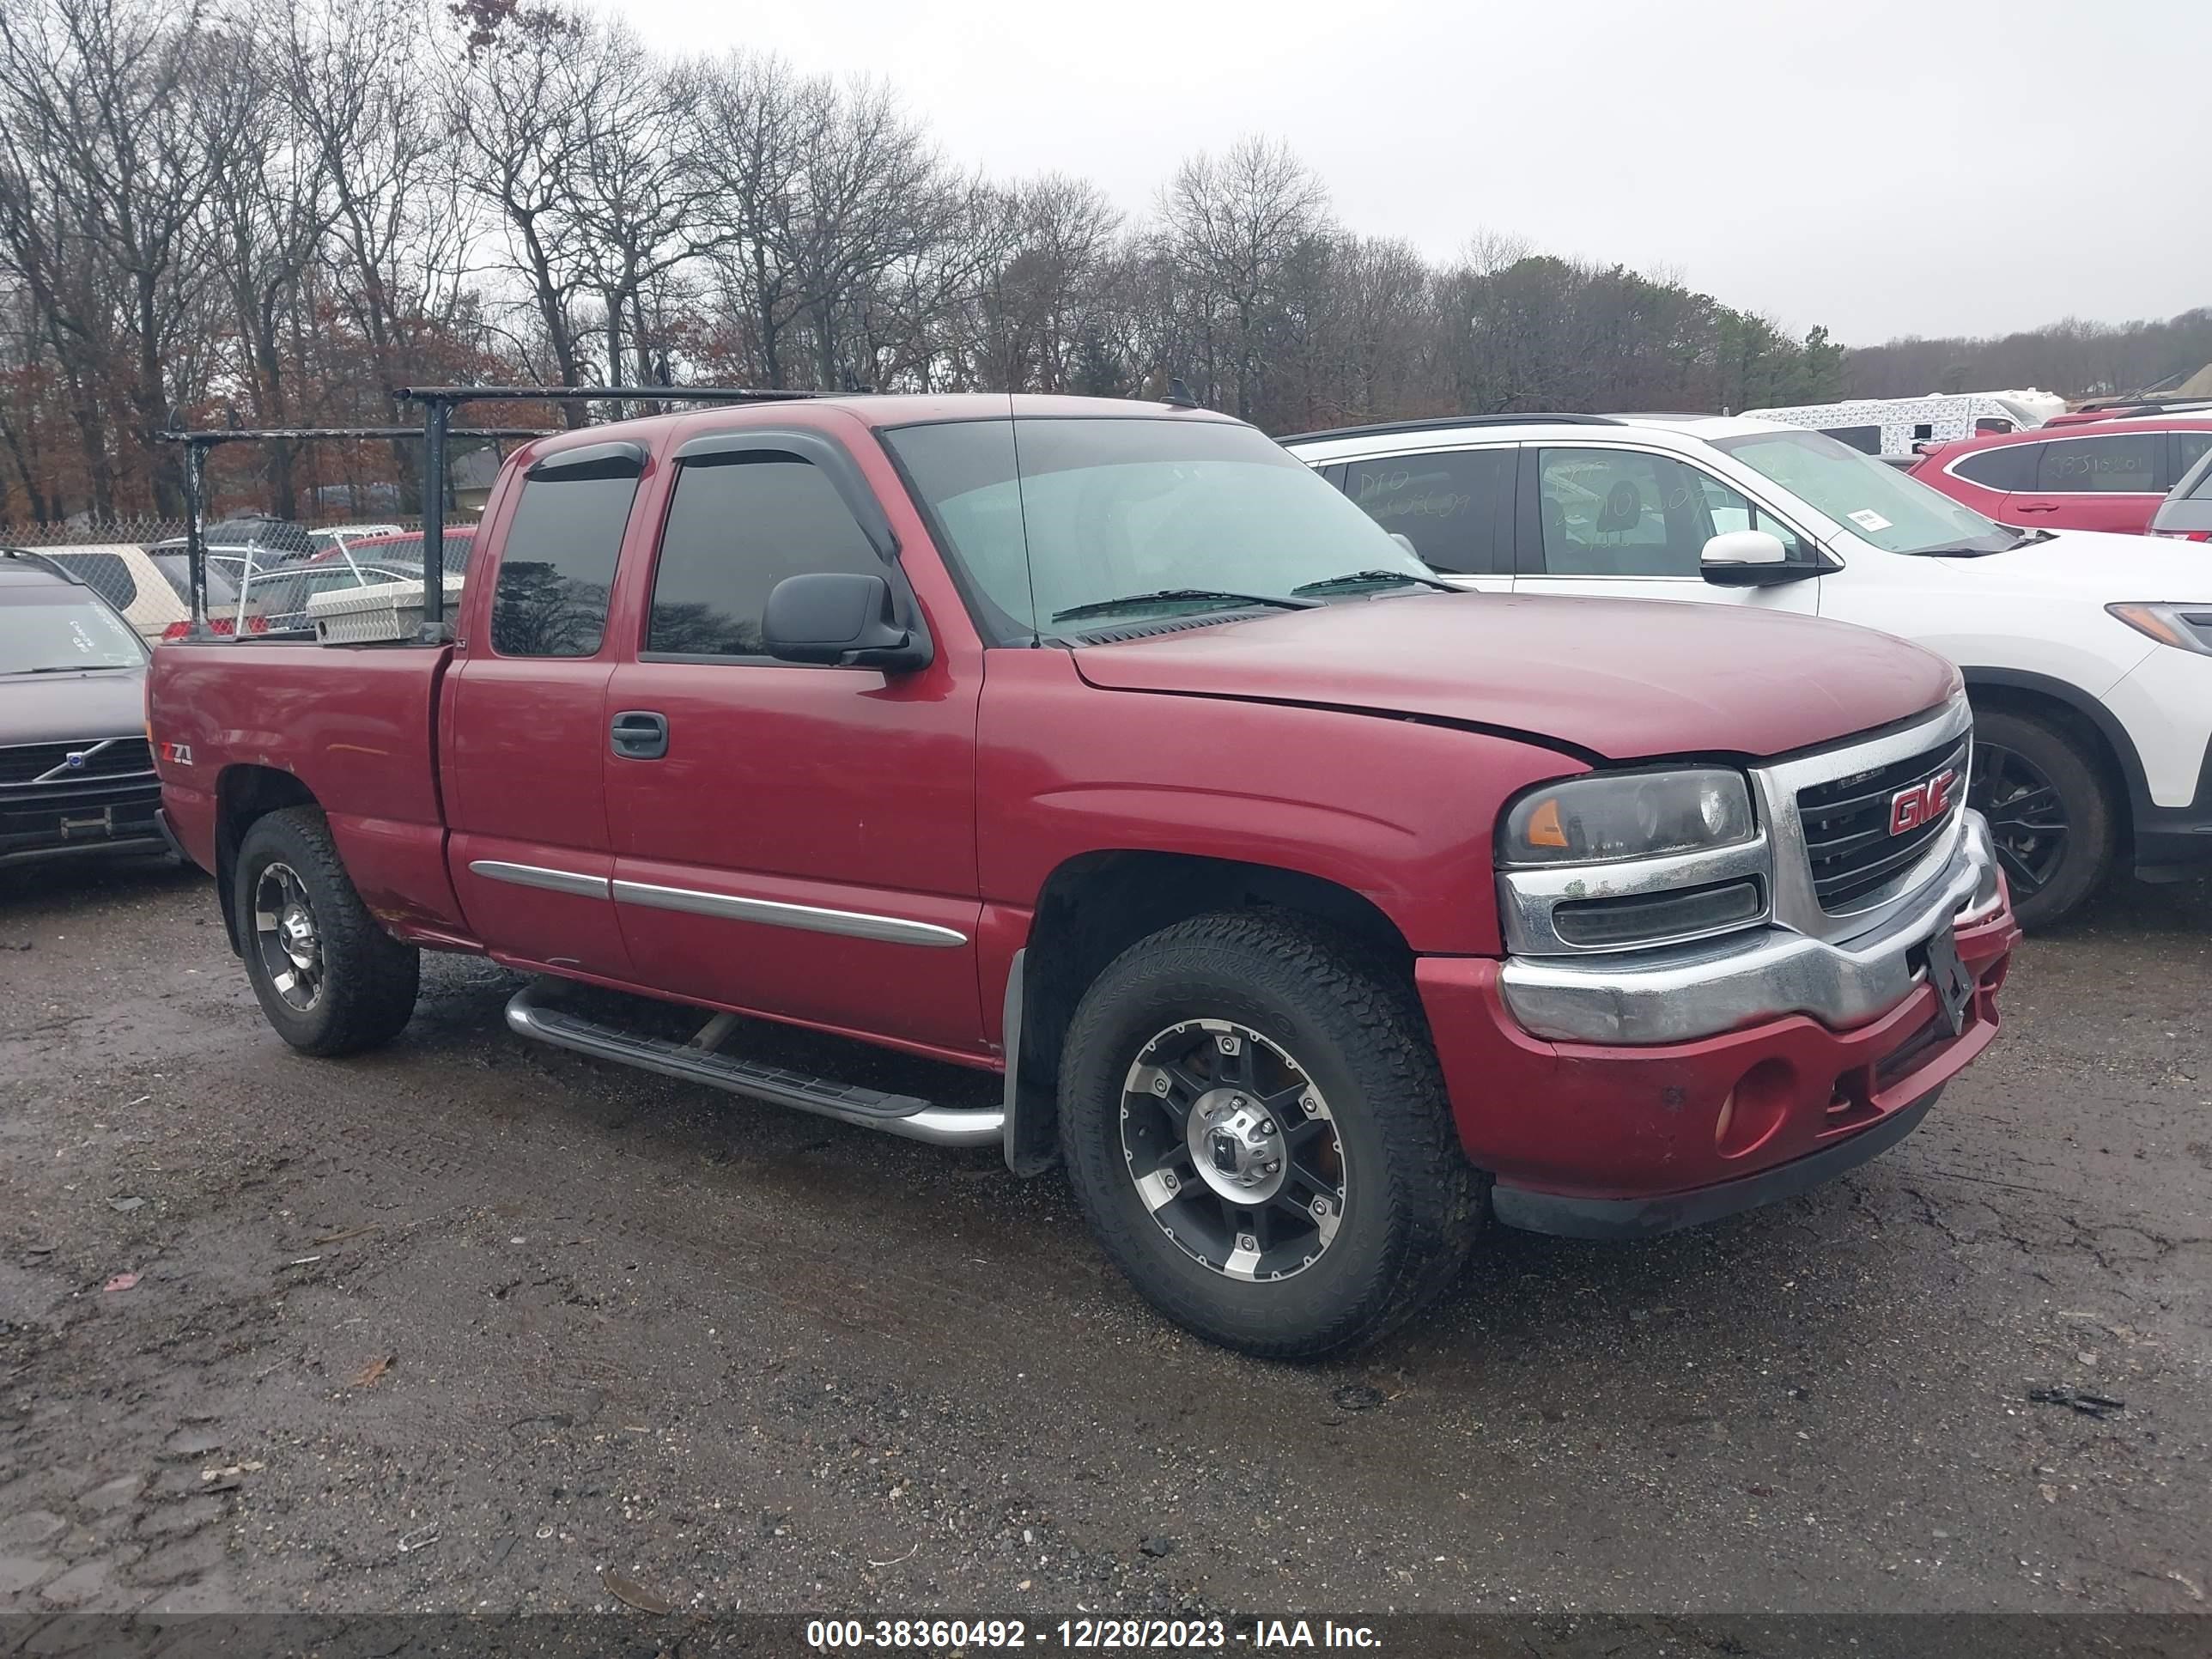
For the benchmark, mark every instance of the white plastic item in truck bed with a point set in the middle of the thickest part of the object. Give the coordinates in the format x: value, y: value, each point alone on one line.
x: 382, y: 610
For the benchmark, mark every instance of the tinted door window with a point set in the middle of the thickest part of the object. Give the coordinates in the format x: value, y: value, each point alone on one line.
x: 2126, y: 463
x: 2189, y: 448
x: 737, y: 527
x: 176, y: 570
x: 1867, y: 439
x: 1447, y: 505
x: 2009, y: 466
x: 559, y: 563
x: 104, y: 573
x: 1618, y: 513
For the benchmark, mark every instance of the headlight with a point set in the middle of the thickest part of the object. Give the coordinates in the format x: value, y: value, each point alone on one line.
x: 2186, y: 626
x: 1630, y: 815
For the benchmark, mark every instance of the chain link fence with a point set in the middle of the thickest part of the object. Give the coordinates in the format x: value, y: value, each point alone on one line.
x: 146, y: 532
x: 134, y: 532
x: 261, y: 573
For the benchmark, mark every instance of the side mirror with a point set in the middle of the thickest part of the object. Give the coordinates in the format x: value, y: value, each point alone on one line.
x: 840, y: 616
x: 1407, y: 542
x: 1748, y: 558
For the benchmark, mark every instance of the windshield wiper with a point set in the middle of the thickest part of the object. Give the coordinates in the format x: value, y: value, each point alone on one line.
x: 1106, y: 607
x: 1365, y: 578
x: 67, y: 667
x: 2024, y: 538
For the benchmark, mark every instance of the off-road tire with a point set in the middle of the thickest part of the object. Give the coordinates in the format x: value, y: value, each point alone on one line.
x: 1412, y: 1205
x: 369, y: 978
x: 2063, y: 754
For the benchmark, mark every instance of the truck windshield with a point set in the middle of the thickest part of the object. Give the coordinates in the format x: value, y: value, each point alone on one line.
x: 1881, y: 505
x: 50, y: 636
x: 1108, y: 521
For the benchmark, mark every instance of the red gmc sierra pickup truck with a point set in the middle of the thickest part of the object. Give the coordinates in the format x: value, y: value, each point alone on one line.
x: 1314, y: 918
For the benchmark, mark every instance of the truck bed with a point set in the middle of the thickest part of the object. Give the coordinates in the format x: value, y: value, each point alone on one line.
x: 356, y: 725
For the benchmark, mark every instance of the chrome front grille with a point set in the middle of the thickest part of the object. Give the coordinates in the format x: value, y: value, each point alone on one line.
x: 1838, y: 870
x: 96, y: 757
x: 1851, y: 837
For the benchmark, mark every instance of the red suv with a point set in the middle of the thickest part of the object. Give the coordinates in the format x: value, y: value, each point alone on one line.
x: 2082, y: 475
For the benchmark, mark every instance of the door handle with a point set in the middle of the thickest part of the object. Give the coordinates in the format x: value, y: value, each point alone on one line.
x: 2029, y: 506
x: 640, y: 734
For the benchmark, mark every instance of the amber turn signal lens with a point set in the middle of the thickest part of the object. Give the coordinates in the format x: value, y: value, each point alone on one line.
x: 1544, y: 829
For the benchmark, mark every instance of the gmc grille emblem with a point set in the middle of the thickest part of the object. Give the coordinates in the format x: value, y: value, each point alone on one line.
x: 1921, y: 803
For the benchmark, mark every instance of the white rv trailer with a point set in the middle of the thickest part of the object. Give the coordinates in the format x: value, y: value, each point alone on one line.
x: 1890, y: 427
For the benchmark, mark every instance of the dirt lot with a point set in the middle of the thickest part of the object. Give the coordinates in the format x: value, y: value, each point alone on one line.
x: 467, y: 1324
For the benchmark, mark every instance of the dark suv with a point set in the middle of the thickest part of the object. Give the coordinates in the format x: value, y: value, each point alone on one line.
x: 76, y: 773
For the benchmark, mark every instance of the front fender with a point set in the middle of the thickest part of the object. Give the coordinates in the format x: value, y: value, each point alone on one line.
x: 1401, y: 811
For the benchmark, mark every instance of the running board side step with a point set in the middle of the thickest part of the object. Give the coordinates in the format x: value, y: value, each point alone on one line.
x: 909, y: 1115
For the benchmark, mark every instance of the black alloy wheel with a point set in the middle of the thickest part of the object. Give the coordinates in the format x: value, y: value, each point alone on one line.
x: 2027, y: 817
x: 1232, y: 1149
x: 2054, y: 813
x: 286, y: 936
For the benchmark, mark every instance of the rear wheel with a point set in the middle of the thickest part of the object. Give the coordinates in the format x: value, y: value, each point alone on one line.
x: 2049, y: 809
x: 1254, y: 1124
x: 331, y: 980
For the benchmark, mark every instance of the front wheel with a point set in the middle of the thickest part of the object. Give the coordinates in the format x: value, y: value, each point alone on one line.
x: 331, y: 980
x: 2050, y: 812
x: 1254, y: 1121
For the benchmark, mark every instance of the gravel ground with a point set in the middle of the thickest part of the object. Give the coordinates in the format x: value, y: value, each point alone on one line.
x: 468, y: 1324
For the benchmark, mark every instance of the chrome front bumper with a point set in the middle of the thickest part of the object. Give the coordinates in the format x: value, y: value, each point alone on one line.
x: 1687, y: 992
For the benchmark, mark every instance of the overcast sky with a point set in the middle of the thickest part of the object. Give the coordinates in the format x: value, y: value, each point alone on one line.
x: 1883, y: 167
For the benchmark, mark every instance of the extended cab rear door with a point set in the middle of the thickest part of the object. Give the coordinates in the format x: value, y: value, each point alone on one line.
x: 525, y: 730
x: 794, y: 840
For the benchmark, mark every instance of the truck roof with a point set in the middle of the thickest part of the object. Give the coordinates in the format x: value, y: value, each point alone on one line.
x: 879, y: 410
x: 911, y: 409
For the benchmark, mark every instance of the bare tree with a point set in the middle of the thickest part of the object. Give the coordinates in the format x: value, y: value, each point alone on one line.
x: 870, y: 192
x: 640, y: 195
x: 753, y: 115
x: 1235, y: 224
x: 399, y: 241
x: 63, y: 293
x: 523, y: 105
x: 116, y: 96
x: 1037, y: 296
x: 270, y: 211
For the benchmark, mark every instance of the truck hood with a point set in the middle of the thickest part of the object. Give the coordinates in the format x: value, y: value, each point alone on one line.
x: 2100, y: 565
x: 1620, y: 679
x: 64, y: 707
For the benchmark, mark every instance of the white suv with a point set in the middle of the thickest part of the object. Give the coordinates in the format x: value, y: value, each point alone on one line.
x: 2087, y: 656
